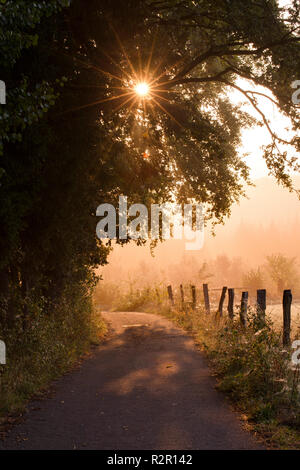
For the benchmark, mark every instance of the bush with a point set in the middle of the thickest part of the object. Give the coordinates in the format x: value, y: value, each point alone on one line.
x: 48, y: 345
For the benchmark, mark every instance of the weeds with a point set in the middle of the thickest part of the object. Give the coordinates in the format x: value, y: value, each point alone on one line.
x: 47, y: 348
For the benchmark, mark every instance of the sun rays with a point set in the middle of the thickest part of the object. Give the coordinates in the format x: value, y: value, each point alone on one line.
x: 132, y: 87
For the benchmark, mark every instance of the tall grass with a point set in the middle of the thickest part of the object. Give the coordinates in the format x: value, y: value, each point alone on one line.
x: 47, y: 347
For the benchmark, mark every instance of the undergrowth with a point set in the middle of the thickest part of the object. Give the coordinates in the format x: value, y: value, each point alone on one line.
x: 49, y: 345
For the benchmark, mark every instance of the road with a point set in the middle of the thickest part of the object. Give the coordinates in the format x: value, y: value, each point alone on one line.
x: 145, y: 387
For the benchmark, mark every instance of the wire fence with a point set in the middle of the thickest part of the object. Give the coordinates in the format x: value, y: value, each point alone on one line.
x: 235, y: 301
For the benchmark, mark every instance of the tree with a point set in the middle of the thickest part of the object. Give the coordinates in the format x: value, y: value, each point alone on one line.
x: 194, y: 129
x: 283, y: 271
x: 19, y: 20
x: 256, y: 41
x: 254, y: 280
x: 28, y: 100
x: 204, y: 272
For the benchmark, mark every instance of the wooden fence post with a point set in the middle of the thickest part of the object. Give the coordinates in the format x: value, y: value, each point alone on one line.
x: 261, y: 304
x: 287, y: 301
x: 182, y: 295
x: 244, y: 308
x: 193, y: 297
x: 170, y: 294
x: 222, y: 298
x: 230, y: 303
x: 206, y: 298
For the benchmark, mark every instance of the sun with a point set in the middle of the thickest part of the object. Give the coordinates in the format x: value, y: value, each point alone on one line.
x: 142, y: 89
x: 138, y: 90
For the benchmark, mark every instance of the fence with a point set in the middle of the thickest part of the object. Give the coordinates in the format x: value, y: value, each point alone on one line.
x: 261, y: 305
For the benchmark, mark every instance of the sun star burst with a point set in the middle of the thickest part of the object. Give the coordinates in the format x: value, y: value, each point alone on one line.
x: 142, y: 89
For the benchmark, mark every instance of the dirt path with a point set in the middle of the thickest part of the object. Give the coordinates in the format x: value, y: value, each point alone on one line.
x: 146, y: 387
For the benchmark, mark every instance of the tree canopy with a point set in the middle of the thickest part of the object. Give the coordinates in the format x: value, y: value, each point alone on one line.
x: 193, y: 54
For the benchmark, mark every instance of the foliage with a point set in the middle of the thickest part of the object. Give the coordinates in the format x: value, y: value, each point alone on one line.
x: 253, y: 41
x: 48, y: 347
x: 283, y: 271
x: 204, y: 273
x: 254, y: 280
x: 47, y: 229
x: 26, y: 103
x: 255, y: 371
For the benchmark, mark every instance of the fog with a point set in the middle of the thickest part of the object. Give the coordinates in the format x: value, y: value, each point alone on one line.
x: 264, y: 224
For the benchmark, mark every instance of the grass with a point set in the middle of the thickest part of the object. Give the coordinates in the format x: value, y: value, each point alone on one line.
x: 49, y: 347
x: 252, y: 367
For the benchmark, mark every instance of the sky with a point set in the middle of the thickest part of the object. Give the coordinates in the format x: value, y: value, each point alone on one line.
x: 253, y: 139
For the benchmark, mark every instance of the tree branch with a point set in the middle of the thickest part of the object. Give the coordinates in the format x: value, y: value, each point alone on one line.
x: 252, y: 101
x: 222, y: 51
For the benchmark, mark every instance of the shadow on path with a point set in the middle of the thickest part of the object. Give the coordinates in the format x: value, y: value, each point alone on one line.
x: 145, y: 387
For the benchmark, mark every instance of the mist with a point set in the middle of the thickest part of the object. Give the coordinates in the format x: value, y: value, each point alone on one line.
x: 265, y: 223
